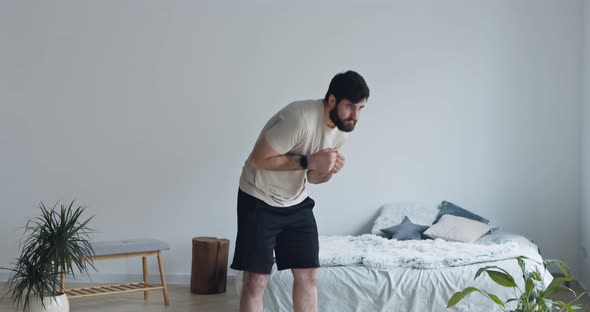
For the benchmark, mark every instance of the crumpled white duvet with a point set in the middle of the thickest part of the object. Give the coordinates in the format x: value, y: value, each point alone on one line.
x: 380, y: 253
x: 358, y: 288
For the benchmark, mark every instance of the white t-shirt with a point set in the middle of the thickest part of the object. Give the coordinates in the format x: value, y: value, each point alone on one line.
x: 298, y: 129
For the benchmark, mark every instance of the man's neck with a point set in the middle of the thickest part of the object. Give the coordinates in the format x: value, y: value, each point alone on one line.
x: 327, y: 119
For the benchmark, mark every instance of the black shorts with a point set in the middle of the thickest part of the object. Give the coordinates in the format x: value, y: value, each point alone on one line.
x: 290, y: 231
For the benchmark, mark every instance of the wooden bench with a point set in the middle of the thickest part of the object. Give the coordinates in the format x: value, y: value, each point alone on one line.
x: 124, y: 249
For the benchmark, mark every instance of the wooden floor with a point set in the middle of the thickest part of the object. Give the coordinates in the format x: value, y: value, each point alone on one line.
x: 180, y: 298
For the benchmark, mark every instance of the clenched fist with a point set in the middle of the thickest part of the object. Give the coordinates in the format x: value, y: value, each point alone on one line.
x: 326, y: 161
x: 338, y: 164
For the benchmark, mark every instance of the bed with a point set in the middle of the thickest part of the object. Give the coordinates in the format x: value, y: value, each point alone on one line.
x: 364, y: 283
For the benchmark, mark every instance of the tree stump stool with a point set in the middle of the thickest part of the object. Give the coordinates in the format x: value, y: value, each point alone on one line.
x: 209, y: 265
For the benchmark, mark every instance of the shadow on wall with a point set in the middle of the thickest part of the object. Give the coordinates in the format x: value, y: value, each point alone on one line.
x: 368, y: 226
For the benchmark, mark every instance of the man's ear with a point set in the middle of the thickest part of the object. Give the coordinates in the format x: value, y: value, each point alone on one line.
x: 331, y: 101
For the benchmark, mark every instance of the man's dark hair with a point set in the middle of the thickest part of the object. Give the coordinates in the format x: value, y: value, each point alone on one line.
x: 350, y: 86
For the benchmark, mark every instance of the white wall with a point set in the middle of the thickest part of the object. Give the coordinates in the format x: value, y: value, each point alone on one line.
x: 585, y: 211
x: 145, y: 112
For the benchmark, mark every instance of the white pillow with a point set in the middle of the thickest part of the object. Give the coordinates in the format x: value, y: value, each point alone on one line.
x: 459, y: 229
x: 393, y: 213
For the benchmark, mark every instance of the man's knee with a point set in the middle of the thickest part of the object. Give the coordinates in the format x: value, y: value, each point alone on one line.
x: 255, y: 283
x: 308, y: 277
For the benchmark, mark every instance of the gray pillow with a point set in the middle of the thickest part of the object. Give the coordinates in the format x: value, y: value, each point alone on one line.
x: 449, y: 208
x: 407, y: 230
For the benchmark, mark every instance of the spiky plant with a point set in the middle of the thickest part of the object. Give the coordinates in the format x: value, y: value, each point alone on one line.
x: 56, y: 241
x: 32, y: 277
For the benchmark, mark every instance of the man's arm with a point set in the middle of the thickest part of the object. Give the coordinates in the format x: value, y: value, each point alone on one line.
x: 264, y: 157
x: 315, y: 177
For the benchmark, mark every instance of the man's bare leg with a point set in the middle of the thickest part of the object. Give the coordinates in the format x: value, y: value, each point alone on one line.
x: 305, y: 290
x: 252, y: 296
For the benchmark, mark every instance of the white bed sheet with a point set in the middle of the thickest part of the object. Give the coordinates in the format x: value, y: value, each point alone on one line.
x: 358, y: 288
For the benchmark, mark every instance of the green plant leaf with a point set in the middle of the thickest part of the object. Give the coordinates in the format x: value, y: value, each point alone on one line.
x: 510, y: 300
x: 536, y: 276
x: 556, y: 284
x: 495, y: 299
x: 486, y: 268
x: 580, y: 295
x: 562, y: 265
x: 458, y: 296
x: 522, y: 266
x: 529, y: 286
x: 502, y: 279
x: 521, y: 263
x: 577, y: 307
x: 564, y: 305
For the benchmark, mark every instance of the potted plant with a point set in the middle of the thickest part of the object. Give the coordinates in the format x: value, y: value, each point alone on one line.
x: 56, y: 242
x: 536, y: 296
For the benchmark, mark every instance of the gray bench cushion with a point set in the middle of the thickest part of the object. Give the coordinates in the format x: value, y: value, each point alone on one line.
x: 128, y: 246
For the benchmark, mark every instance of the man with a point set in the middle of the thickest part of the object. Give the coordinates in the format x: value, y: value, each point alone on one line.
x: 300, y: 143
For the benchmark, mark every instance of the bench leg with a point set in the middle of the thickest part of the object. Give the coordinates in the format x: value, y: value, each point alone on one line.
x: 146, y: 295
x: 163, y: 279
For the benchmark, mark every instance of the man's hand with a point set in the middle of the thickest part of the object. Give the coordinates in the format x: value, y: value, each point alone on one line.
x: 338, y: 164
x: 323, y: 161
x: 327, y: 157
x: 315, y: 177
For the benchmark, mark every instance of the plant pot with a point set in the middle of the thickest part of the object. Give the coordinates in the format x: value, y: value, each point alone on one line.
x: 52, y: 304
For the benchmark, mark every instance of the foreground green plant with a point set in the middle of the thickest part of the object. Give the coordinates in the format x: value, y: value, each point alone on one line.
x: 535, y: 296
x: 57, y: 241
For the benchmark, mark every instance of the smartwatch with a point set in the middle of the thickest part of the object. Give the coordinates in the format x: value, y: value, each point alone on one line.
x: 303, y: 161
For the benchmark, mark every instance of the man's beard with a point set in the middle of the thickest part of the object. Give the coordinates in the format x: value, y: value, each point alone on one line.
x: 343, y: 125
